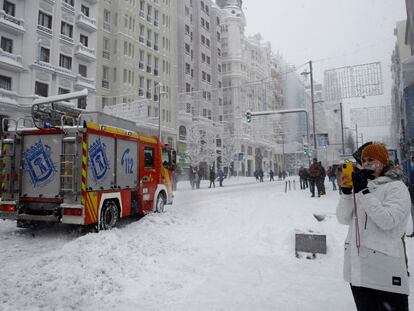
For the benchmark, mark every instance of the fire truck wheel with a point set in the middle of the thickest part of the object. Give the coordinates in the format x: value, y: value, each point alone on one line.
x: 159, y: 207
x: 109, y: 216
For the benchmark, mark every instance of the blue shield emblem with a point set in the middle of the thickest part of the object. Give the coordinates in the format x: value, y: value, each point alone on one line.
x: 98, y: 160
x: 38, y: 162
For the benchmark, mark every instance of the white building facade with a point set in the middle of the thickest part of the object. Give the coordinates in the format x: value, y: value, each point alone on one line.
x: 47, y: 48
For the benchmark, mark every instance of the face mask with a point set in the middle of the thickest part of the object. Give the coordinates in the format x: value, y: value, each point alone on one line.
x: 371, y: 166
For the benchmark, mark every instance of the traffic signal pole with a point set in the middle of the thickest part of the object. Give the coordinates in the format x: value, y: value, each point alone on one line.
x: 250, y: 114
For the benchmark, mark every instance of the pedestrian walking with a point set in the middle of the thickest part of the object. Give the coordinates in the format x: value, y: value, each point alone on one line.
x: 331, y: 173
x: 279, y: 176
x: 302, y: 177
x: 322, y: 179
x: 271, y: 175
x: 212, y: 178
x: 261, y: 175
x: 220, y: 175
x: 375, y: 209
x: 314, y: 175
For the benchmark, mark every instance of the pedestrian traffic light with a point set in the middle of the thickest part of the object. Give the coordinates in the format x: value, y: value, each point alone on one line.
x: 248, y: 117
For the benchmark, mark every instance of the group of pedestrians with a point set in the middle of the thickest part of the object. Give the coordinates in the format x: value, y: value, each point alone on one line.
x: 313, y: 178
x: 196, y: 177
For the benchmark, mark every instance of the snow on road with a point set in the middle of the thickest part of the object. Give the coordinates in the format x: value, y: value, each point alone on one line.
x: 229, y: 248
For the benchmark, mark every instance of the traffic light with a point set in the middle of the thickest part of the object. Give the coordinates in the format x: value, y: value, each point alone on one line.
x: 248, y: 117
x: 305, y: 150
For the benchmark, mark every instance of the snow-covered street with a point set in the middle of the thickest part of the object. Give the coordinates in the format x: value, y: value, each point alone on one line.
x: 229, y: 248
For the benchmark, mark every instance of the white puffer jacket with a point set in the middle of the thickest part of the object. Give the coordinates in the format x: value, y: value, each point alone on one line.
x: 380, y: 262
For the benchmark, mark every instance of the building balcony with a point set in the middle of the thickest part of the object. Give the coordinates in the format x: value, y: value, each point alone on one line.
x: 149, y: 69
x: 8, y: 97
x: 141, y: 39
x: 11, y: 61
x: 156, y: 72
x: 85, y: 53
x: 66, y: 40
x: 11, y: 23
x: 149, y: 18
x: 149, y: 43
x: 107, y: 26
x: 66, y: 7
x: 156, y: 48
x: 82, y: 82
x: 86, y: 23
x: 141, y: 65
x: 106, y: 54
x: 141, y: 92
x: 142, y: 13
x: 149, y: 95
x: 156, y: 23
x: 105, y: 84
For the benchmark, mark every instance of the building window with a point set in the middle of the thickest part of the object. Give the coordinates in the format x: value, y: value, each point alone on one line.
x: 188, y: 87
x: 44, y: 55
x: 82, y: 103
x: 83, y: 70
x: 9, y: 8
x: 65, y: 61
x: 66, y: 29
x: 83, y: 40
x: 85, y: 10
x: 182, y: 133
x: 45, y: 20
x: 5, y: 83
x: 41, y: 89
x: 7, y: 45
x: 107, y: 16
x: 188, y: 108
x: 148, y: 157
x: 61, y: 91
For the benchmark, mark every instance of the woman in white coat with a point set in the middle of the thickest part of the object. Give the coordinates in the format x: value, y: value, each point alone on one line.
x: 375, y: 262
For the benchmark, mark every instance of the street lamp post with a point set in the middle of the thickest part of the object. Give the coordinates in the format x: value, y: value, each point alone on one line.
x: 342, y: 129
x: 312, y: 104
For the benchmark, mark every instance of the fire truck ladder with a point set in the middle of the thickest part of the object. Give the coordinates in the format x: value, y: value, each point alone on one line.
x: 50, y: 112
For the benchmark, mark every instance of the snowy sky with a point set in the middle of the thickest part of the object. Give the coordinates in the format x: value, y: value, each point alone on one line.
x: 332, y: 33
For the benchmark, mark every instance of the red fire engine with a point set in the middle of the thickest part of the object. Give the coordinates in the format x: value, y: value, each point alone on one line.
x: 80, y: 168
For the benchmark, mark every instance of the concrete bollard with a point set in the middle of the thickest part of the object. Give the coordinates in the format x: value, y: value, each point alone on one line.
x: 294, y: 185
x: 290, y: 187
x: 285, y: 186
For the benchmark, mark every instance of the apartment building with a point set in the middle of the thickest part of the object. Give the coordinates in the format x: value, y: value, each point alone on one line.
x: 47, y: 48
x: 136, y: 65
x: 200, y: 95
x: 248, y: 85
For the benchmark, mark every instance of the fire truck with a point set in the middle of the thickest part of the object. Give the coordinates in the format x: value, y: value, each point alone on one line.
x: 84, y: 168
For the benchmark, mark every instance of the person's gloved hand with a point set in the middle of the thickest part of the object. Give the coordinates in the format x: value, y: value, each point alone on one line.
x: 360, y: 179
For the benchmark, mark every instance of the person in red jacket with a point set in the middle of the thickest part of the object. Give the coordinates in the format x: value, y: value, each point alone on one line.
x: 314, y: 176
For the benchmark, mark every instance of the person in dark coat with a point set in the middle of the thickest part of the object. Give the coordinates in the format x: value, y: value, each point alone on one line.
x: 314, y: 176
x: 256, y: 175
x: 212, y: 178
x: 220, y: 175
x: 306, y: 177
x: 279, y: 175
x: 271, y: 174
x: 322, y: 179
x: 261, y: 175
x: 302, y: 177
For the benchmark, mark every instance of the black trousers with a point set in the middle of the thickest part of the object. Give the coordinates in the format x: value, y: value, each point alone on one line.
x: 367, y: 299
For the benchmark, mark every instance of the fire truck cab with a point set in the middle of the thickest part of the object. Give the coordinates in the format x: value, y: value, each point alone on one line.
x: 81, y: 168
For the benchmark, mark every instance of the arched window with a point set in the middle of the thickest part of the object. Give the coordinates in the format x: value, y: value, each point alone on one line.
x: 182, y: 133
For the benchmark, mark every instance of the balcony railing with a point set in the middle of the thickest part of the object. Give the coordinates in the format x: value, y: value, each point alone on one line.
x: 155, y: 72
x: 156, y: 23
x: 66, y: 39
x: 141, y: 92
x: 149, y: 95
x: 11, y: 61
x: 149, y: 18
x: 149, y: 69
x: 107, y: 26
x: 85, y: 82
x: 141, y: 65
x: 149, y: 43
x: 85, y: 53
x: 106, y: 54
x: 12, y: 23
x: 141, y: 39
x: 142, y: 13
x: 105, y: 84
x: 44, y: 30
x: 87, y: 23
x: 156, y: 47
x: 68, y: 8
